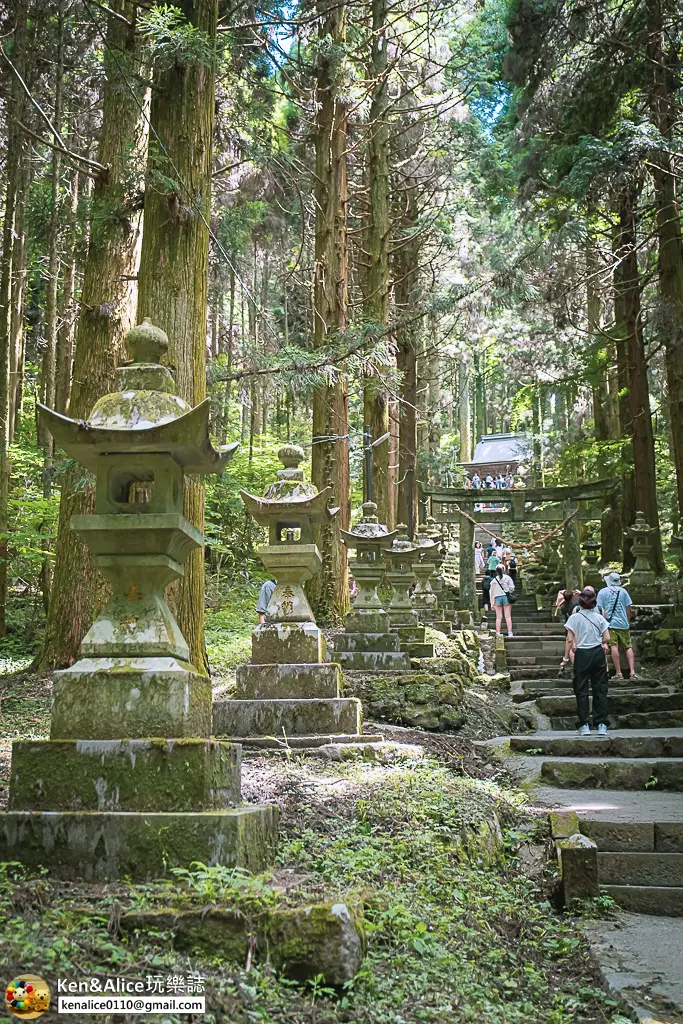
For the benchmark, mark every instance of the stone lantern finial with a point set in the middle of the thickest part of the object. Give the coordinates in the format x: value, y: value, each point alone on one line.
x: 146, y: 343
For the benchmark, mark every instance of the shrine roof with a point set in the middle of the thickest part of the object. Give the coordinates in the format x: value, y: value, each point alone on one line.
x: 500, y: 450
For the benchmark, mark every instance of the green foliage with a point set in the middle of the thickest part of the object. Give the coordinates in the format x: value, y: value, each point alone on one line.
x: 173, y: 41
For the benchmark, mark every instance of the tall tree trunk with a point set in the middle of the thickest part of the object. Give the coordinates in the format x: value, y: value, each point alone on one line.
x: 465, y: 412
x: 406, y: 298
x: 670, y: 257
x: 376, y: 256
x: 627, y: 285
x: 330, y: 459
x: 19, y: 278
x: 480, y: 399
x: 106, y: 312
x: 611, y: 539
x: 13, y: 163
x: 65, y: 335
x: 174, y: 262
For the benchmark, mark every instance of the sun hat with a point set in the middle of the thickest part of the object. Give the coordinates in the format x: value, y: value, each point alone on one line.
x: 613, y: 579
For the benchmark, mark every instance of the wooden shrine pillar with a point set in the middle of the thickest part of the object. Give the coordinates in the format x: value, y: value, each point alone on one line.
x: 573, y: 568
x: 468, y: 577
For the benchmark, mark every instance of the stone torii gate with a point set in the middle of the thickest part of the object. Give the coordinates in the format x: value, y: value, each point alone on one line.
x: 524, y: 505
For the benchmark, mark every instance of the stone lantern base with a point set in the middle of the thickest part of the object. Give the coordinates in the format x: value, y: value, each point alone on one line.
x: 289, y: 699
x: 101, y: 807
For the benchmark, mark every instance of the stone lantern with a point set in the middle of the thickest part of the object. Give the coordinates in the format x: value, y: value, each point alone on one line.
x: 643, y: 585
x: 289, y: 693
x: 424, y: 567
x: 675, y: 617
x: 591, y: 575
x: 367, y: 642
x: 129, y: 782
x: 403, y: 617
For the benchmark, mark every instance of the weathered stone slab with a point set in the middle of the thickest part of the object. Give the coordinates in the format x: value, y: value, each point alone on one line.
x: 367, y: 620
x: 658, y: 900
x: 418, y: 650
x: 578, y: 857
x: 374, y: 661
x: 669, y: 837
x: 353, y: 642
x: 618, y: 836
x: 301, y: 942
x: 124, y: 775
x: 287, y: 682
x: 287, y: 643
x: 664, y: 869
x: 107, y: 698
x: 102, y: 845
x: 286, y: 717
x: 587, y: 773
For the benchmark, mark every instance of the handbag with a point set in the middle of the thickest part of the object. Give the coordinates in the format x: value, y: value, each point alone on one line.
x: 511, y: 596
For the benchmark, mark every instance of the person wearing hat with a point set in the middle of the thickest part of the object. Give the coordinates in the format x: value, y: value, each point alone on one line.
x: 589, y: 635
x: 615, y: 605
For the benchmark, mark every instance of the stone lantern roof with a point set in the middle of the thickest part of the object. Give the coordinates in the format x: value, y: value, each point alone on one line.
x: 144, y: 415
x: 368, y: 532
x: 290, y: 496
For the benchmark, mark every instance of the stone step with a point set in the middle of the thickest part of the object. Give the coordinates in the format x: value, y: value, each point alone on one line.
x: 417, y: 650
x: 661, y: 901
x: 663, y: 773
x: 639, y: 743
x: 646, y: 869
x: 644, y: 836
x: 635, y: 720
x: 533, y: 660
x: 525, y: 645
x: 620, y: 705
x: 532, y: 690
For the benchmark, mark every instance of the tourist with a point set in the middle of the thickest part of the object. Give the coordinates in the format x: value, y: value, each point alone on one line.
x: 567, y: 601
x: 479, y: 560
x: 509, y: 479
x: 512, y: 566
x: 615, y: 605
x: 492, y: 562
x: 501, y: 587
x: 476, y: 480
x: 265, y: 594
x: 500, y: 482
x: 589, y: 635
x: 486, y: 593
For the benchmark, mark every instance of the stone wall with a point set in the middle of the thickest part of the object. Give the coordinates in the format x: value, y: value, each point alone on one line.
x: 660, y: 644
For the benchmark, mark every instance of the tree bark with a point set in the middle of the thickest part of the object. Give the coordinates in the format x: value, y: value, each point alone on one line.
x: 13, y: 177
x: 670, y: 249
x: 107, y: 311
x: 627, y: 286
x: 406, y: 299
x: 19, y: 278
x: 376, y: 257
x: 174, y: 261
x: 330, y: 459
x: 65, y: 335
x: 465, y: 412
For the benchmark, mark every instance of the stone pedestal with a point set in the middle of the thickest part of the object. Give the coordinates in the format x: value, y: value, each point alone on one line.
x: 130, y: 782
x: 289, y: 695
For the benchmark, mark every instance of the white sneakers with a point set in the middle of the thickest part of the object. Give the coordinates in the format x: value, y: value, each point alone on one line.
x: 585, y: 730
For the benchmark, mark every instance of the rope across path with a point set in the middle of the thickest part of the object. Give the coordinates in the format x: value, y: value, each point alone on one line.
x: 531, y: 544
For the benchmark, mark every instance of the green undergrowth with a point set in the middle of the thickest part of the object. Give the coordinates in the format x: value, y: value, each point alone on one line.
x: 228, y: 630
x: 455, y: 932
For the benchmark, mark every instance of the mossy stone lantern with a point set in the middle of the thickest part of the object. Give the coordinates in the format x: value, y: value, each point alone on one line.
x: 368, y: 538
x: 424, y: 568
x: 289, y: 693
x: 139, y: 442
x: 131, y: 782
x: 400, y: 557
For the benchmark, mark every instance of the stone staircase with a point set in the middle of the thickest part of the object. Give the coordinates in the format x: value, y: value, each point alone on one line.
x: 626, y: 788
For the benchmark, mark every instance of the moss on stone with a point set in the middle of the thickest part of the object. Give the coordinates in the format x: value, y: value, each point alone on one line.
x: 425, y: 700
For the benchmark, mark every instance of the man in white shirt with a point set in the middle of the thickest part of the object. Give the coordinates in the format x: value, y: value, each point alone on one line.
x: 589, y: 637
